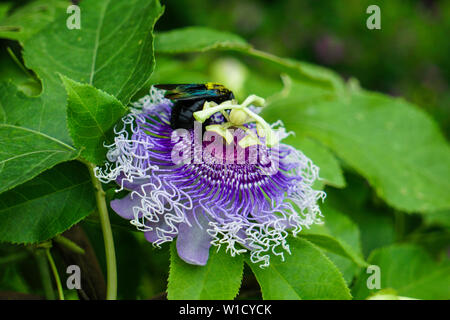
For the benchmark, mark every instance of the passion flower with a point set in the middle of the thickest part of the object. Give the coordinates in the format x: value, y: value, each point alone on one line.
x: 233, y: 183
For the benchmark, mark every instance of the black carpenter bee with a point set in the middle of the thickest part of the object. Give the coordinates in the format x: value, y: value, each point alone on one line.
x: 189, y: 98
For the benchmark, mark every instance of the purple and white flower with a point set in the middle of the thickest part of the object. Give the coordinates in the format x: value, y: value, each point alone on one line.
x: 243, y: 205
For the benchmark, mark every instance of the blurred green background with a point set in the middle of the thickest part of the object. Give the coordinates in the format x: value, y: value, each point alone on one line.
x: 407, y: 57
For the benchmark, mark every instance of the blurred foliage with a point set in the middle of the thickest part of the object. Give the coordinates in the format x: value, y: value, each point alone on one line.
x: 407, y: 57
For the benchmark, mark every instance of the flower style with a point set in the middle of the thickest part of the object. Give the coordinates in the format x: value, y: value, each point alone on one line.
x: 247, y: 199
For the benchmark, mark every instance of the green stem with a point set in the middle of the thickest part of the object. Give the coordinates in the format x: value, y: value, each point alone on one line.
x: 111, y: 267
x: 55, y: 274
x: 69, y: 244
x: 45, y: 274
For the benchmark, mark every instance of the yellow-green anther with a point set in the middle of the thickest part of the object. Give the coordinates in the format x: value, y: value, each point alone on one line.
x: 253, y: 99
x: 238, y: 117
x: 221, y: 130
x: 209, y: 104
x: 260, y: 130
x: 203, y: 115
x: 249, y: 140
x: 271, y: 138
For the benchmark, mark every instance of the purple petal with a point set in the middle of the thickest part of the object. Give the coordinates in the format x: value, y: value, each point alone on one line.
x: 130, y: 185
x: 193, y: 242
x: 154, y: 235
x: 124, y: 207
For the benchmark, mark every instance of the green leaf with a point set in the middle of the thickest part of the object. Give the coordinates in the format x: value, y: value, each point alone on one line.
x: 334, y: 245
x: 393, y: 144
x: 117, y: 58
x: 410, y: 271
x: 346, y: 266
x: 439, y: 218
x: 220, y: 279
x: 175, y: 71
x: 377, y: 229
x: 330, y: 170
x: 338, y: 235
x: 306, y: 274
x: 112, y: 51
x: 91, y: 115
x: 47, y: 205
x: 197, y: 39
x: 376, y: 225
x: 29, y: 19
x: 201, y: 39
x: 340, y: 238
x: 4, y: 7
x: 26, y: 141
x: 12, y: 70
x: 26, y: 152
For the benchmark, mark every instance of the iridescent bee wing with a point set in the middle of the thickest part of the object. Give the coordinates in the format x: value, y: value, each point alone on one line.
x: 193, y: 91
